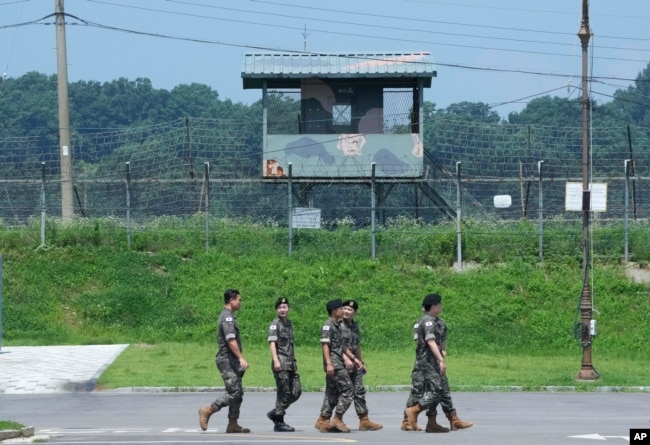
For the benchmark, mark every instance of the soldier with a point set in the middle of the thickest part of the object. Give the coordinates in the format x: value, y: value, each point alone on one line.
x: 447, y: 405
x: 352, y: 339
x: 283, y: 365
x: 231, y: 364
x: 429, y: 381
x: 338, y: 386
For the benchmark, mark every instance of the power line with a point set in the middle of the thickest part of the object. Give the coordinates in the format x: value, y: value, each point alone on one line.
x: 265, y: 47
x: 277, y: 49
x: 526, y: 98
x: 11, y: 49
x: 392, y: 17
x: 393, y: 39
x: 347, y: 34
x: 383, y: 27
x: 31, y: 22
x: 13, y: 2
x: 365, y: 14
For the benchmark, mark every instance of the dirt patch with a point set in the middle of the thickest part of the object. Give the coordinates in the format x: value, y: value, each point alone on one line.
x: 637, y: 273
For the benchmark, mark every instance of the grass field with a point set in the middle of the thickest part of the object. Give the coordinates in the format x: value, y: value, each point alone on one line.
x: 179, y: 365
x: 511, y: 319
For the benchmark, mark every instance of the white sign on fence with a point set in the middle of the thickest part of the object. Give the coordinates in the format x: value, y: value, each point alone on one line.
x: 573, y: 199
x: 502, y: 201
x: 305, y: 218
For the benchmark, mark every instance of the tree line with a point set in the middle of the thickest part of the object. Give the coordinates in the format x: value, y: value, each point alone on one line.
x: 29, y: 109
x: 29, y: 106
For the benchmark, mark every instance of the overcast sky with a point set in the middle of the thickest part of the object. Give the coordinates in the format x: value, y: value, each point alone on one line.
x: 499, y: 52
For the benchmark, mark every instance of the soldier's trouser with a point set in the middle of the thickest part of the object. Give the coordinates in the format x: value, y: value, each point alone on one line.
x: 445, y: 399
x: 234, y: 394
x: 426, y: 389
x: 360, y: 405
x: 339, y: 393
x: 289, y: 390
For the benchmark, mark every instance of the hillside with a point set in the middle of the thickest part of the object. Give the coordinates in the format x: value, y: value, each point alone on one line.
x: 91, y: 289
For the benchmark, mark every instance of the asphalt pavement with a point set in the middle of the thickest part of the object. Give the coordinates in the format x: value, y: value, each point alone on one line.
x: 52, y: 388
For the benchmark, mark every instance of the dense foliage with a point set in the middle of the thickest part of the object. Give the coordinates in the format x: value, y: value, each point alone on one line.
x: 28, y: 105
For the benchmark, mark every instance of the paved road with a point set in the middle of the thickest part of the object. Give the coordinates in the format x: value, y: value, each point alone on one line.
x: 169, y: 418
x: 51, y: 388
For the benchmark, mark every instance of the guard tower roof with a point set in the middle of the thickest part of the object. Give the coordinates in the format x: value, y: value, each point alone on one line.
x: 286, y: 70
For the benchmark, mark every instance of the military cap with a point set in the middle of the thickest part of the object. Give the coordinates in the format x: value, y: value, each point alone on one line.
x: 334, y: 304
x: 281, y: 300
x: 352, y: 303
x: 431, y: 300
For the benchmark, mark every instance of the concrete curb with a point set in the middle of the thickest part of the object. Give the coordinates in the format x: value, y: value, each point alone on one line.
x: 12, y: 434
x: 394, y: 388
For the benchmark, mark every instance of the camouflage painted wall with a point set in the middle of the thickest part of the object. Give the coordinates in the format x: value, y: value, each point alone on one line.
x: 341, y: 135
x: 343, y: 155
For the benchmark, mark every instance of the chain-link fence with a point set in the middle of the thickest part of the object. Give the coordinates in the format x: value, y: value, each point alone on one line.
x: 198, y: 166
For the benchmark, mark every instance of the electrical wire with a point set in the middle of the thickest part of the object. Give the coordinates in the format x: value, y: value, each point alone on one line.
x: 285, y: 50
x: 11, y: 48
x: 267, y: 48
x: 525, y: 98
x: 392, y: 17
x: 13, y: 2
x: 600, y: 79
x: 375, y: 37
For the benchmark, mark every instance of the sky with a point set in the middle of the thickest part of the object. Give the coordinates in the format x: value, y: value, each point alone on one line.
x: 503, y: 53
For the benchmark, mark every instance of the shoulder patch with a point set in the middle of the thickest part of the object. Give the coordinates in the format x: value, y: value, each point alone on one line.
x: 428, y: 323
x: 416, y: 325
x: 273, y: 327
x: 228, y: 318
x: 326, y: 328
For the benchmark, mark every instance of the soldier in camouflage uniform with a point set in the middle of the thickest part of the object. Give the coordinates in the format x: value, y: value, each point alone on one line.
x: 352, y: 339
x: 231, y: 364
x: 283, y: 365
x: 430, y: 386
x: 338, y: 386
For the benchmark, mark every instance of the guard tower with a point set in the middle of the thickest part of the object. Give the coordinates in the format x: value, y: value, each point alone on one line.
x: 334, y: 116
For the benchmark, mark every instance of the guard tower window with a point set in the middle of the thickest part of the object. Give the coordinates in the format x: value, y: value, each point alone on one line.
x: 342, y: 114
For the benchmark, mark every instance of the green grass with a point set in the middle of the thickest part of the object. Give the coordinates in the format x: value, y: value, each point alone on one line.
x: 10, y: 425
x: 175, y: 365
x: 511, y: 320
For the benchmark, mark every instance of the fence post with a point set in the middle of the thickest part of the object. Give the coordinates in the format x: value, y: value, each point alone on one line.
x: 206, y: 180
x: 128, y: 204
x: 373, y: 208
x: 540, y: 169
x: 459, y: 243
x: 629, y: 143
x: 43, y: 209
x: 290, y: 205
x: 627, y: 164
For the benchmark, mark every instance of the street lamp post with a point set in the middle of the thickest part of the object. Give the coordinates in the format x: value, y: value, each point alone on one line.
x: 587, y: 371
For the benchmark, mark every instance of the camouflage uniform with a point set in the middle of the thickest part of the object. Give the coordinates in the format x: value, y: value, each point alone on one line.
x: 228, y: 365
x: 352, y: 339
x: 287, y: 378
x: 338, y: 387
x: 445, y: 392
x: 430, y: 387
x: 427, y: 386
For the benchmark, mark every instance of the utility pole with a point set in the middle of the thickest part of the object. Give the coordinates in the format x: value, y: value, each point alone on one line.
x: 65, y: 153
x: 587, y: 371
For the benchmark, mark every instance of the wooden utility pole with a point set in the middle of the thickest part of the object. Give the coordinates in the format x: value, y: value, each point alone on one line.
x: 65, y: 153
x: 587, y: 371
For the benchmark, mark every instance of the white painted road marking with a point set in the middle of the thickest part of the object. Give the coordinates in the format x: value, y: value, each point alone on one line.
x: 599, y: 437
